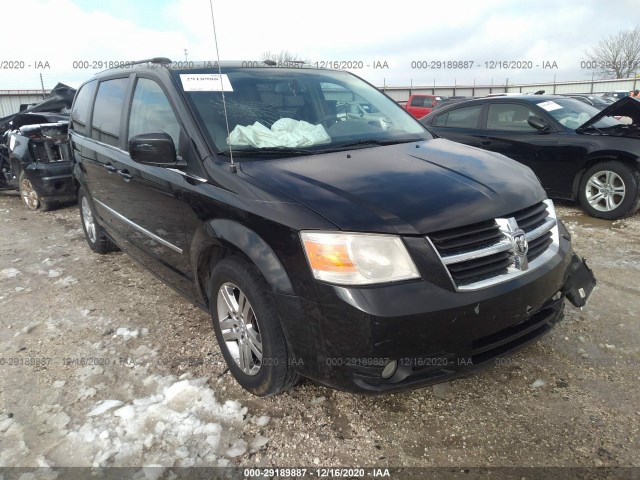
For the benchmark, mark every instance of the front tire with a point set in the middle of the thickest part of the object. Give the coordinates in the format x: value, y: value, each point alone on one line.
x: 609, y: 190
x: 96, y: 237
x: 248, y: 329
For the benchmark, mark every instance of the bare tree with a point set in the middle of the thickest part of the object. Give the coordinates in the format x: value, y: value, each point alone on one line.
x: 617, y: 56
x: 282, y: 56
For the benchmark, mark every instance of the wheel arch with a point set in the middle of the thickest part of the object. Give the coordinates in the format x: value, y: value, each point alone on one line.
x: 220, y: 238
x: 630, y: 160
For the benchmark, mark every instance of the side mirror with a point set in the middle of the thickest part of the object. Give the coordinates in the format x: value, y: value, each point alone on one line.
x: 538, y: 123
x: 155, y: 149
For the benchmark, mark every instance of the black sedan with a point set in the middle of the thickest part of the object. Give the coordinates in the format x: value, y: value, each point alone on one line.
x: 593, y: 100
x: 577, y: 152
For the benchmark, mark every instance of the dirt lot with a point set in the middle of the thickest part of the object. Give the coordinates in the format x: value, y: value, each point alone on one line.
x: 570, y: 399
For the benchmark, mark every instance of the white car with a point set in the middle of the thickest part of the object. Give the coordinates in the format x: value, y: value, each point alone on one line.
x: 362, y: 111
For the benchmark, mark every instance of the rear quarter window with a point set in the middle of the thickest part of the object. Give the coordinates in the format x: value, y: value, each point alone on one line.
x: 466, y: 117
x: 80, y: 109
x: 422, y: 102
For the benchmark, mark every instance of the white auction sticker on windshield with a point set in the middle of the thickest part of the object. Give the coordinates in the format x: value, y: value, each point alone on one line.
x: 549, y: 105
x: 205, y: 82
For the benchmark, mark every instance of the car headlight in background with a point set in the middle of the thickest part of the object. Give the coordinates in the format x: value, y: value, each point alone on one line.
x: 357, y: 258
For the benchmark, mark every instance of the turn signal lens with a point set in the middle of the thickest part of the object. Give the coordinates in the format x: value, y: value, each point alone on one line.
x: 328, y: 257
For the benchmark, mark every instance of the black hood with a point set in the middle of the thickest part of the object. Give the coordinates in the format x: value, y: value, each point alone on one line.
x: 413, y: 188
x: 625, y: 107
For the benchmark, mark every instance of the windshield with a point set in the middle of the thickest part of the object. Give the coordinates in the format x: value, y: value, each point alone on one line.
x: 597, y: 100
x: 275, y: 109
x: 573, y: 113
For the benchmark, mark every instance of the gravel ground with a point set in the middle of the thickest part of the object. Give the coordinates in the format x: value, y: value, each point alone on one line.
x: 567, y: 400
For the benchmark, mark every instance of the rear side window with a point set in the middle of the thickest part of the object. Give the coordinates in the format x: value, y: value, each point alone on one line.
x: 80, y: 112
x: 105, y: 125
x: 151, y: 112
x: 466, y: 117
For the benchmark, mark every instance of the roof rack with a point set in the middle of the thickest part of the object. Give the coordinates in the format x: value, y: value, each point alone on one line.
x: 159, y: 60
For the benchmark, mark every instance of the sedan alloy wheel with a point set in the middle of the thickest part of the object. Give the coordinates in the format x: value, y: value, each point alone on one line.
x: 605, y: 191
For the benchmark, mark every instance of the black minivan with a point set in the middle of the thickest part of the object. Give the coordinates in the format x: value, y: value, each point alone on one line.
x: 357, y: 251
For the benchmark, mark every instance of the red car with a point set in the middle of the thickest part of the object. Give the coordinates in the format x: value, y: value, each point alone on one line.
x: 420, y: 105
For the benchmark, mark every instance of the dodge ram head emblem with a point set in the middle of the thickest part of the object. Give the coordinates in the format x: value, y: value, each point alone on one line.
x: 519, y: 245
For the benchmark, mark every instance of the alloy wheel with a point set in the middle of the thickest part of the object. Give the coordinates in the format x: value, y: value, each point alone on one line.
x: 605, y: 191
x: 28, y: 194
x: 240, y: 329
x: 89, y: 222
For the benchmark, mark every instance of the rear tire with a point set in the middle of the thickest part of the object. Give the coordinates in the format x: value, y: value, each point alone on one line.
x: 609, y: 190
x: 30, y: 196
x: 96, y: 237
x: 246, y: 324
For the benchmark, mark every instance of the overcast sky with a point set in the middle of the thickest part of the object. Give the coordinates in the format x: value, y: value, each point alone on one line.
x: 53, y: 34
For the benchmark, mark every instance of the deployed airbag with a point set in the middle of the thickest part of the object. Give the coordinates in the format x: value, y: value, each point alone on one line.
x: 285, y: 132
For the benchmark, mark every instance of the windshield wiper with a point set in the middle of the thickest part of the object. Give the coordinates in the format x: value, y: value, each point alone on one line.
x: 590, y: 127
x: 266, y: 151
x: 372, y: 142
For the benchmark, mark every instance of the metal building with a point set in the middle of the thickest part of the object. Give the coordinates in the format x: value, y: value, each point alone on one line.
x: 10, y: 100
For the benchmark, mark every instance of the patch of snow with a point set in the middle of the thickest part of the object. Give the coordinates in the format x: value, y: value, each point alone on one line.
x: 66, y: 281
x: 258, y: 442
x: 179, y: 424
x: 238, y: 448
x: 74, y: 233
x: 126, y: 413
x: 153, y: 472
x: 10, y: 272
x: 126, y: 333
x: 262, y: 421
x: 58, y: 420
x: 5, y: 423
x: 538, y: 383
x: 87, y: 393
x: 29, y: 328
x: 53, y: 273
x: 103, y: 407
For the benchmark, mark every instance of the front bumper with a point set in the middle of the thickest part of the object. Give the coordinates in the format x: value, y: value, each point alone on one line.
x: 52, y: 181
x: 347, y: 338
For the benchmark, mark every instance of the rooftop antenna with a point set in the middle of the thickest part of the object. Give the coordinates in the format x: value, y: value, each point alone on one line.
x: 232, y: 165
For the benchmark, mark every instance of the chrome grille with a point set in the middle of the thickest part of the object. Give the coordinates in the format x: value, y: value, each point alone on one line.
x: 495, y: 251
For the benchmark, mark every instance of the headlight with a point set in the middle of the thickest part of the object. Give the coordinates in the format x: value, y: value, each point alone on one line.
x: 357, y: 258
